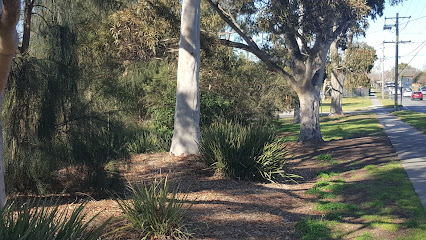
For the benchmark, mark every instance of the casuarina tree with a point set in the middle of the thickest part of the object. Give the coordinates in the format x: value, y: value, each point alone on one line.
x: 9, y: 16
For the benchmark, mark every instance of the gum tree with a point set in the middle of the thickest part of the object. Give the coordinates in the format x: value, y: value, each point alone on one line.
x: 304, y: 29
x: 9, y: 16
x: 186, y: 133
x: 338, y: 62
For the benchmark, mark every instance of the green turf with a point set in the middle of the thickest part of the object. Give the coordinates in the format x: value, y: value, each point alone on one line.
x: 415, y: 119
x: 384, y: 199
x: 348, y: 104
x: 332, y: 128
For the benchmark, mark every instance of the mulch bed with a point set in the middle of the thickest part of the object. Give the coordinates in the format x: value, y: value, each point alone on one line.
x: 220, y: 208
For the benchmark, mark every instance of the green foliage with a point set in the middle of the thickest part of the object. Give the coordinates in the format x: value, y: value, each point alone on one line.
x: 244, y: 152
x: 365, y: 236
x: 359, y: 62
x: 37, y: 220
x: 326, y: 206
x: 155, y: 211
x: 146, y: 29
x: 145, y: 141
x: 325, y: 157
x: 346, y: 127
x: 415, y: 119
x: 327, y: 175
x: 313, y: 229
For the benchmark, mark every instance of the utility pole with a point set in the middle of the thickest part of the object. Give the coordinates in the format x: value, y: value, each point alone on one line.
x: 396, y: 53
x: 383, y: 72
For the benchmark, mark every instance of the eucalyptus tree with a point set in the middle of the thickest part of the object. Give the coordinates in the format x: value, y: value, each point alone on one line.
x: 9, y: 16
x: 338, y: 68
x: 306, y: 29
x: 186, y: 132
x: 359, y: 62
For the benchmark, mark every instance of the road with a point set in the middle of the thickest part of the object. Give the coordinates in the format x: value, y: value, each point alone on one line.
x: 416, y: 105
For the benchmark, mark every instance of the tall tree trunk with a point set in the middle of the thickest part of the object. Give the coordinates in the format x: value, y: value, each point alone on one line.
x: 28, y: 10
x: 337, y: 82
x: 9, y: 15
x: 309, y: 116
x: 186, y: 134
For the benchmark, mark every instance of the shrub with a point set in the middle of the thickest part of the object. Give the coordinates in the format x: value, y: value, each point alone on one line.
x: 144, y: 141
x: 243, y: 152
x: 154, y: 211
x: 29, y: 221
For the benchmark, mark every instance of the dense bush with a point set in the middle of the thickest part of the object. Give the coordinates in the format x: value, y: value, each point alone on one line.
x: 31, y: 221
x: 244, y: 152
x: 155, y: 211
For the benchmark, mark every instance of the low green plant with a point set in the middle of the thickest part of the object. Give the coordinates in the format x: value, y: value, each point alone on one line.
x: 154, y: 211
x: 36, y: 220
x: 365, y: 236
x: 145, y: 141
x: 327, y: 175
x: 326, y: 158
x: 243, y: 152
x: 313, y: 229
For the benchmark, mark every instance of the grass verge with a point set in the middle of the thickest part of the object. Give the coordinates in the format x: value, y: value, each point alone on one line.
x: 382, y: 203
x: 351, y: 126
x: 389, y: 103
x: 415, y: 119
x: 348, y: 104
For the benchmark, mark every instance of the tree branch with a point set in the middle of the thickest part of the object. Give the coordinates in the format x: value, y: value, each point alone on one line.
x: 251, y: 46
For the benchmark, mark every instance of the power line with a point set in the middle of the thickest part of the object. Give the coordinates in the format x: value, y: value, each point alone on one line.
x: 415, y: 48
x: 414, y: 57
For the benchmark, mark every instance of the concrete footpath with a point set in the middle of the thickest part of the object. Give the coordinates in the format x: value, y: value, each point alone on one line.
x: 410, y: 145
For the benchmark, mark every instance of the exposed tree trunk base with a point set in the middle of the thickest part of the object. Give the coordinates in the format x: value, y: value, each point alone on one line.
x: 336, y: 114
x: 310, y: 132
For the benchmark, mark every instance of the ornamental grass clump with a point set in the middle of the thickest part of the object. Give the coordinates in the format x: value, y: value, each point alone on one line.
x: 154, y: 211
x: 243, y: 152
x: 37, y: 220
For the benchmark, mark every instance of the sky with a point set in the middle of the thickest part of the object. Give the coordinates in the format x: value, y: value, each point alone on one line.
x: 410, y: 29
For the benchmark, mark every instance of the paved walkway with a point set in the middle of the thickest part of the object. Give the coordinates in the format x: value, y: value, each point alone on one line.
x: 410, y: 145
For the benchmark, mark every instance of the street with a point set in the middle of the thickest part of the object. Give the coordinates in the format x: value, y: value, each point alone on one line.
x: 416, y: 105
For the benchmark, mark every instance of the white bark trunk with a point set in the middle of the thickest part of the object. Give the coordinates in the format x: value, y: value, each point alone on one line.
x: 186, y: 134
x: 309, y: 116
x: 337, y: 81
x: 9, y: 15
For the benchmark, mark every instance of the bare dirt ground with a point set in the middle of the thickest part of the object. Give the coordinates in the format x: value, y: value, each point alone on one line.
x: 233, y: 209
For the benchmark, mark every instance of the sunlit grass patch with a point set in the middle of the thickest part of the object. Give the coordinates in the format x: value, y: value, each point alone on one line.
x: 389, y: 103
x: 348, y: 104
x: 327, y: 206
x: 313, y: 229
x: 384, y: 201
x: 351, y: 126
x: 415, y: 119
x: 365, y: 236
x: 327, y: 175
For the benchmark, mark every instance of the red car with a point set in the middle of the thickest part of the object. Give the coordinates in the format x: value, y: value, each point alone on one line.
x: 417, y: 95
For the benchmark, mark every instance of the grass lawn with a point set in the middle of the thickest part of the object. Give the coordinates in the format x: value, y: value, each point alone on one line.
x: 381, y: 201
x: 360, y: 199
x: 348, y: 104
x: 389, y: 103
x: 333, y: 128
x: 415, y: 119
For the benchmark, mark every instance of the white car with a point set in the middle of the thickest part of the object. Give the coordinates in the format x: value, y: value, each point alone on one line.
x: 407, y: 92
